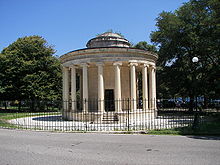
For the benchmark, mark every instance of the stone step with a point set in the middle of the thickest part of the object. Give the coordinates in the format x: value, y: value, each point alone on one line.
x: 110, y: 118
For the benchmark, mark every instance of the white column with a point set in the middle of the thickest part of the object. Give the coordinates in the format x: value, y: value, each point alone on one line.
x: 145, y: 86
x: 133, y: 86
x: 65, y: 84
x: 65, y: 71
x: 73, y: 87
x: 100, y: 87
x: 117, y: 86
x: 85, y: 87
x: 152, y: 87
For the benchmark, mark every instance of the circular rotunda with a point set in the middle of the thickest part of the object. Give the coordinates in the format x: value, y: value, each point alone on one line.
x: 108, y: 76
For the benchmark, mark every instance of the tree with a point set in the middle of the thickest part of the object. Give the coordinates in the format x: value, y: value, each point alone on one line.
x: 145, y: 46
x: 192, y: 30
x: 29, y: 71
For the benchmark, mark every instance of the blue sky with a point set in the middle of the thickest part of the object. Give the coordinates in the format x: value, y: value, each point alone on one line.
x: 69, y: 24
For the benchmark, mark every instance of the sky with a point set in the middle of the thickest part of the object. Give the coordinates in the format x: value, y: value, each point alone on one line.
x: 69, y: 24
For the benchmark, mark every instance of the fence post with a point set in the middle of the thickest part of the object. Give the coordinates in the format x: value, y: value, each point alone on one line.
x: 128, y: 114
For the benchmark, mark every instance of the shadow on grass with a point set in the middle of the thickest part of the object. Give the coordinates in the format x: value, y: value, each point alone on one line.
x: 209, y: 129
x: 206, y: 131
x: 205, y: 137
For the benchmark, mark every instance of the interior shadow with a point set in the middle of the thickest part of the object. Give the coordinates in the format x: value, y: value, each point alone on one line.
x: 48, y: 118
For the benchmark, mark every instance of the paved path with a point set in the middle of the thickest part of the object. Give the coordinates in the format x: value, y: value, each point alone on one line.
x: 22, y: 147
x: 55, y: 122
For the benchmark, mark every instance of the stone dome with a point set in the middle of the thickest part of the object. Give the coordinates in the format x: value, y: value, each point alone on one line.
x: 108, y: 39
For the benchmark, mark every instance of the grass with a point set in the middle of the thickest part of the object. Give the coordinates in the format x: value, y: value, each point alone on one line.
x: 10, y: 116
x: 210, y: 127
x: 26, y: 108
x: 173, y: 131
x: 5, y: 124
x: 4, y: 117
x: 7, y: 116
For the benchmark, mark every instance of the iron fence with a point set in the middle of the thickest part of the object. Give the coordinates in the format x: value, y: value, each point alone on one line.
x: 116, y: 115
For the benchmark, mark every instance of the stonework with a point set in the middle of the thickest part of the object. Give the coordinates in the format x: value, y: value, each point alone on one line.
x: 108, y: 39
x: 107, y: 70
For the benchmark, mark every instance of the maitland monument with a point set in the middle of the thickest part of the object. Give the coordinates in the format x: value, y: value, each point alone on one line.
x: 106, y: 77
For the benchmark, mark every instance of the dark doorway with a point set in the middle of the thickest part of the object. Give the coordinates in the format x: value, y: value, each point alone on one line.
x: 109, y: 100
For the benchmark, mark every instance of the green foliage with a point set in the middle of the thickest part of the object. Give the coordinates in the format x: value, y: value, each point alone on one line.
x: 145, y: 46
x: 29, y: 71
x: 192, y: 30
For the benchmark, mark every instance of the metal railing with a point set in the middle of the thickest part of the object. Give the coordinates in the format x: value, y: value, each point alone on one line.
x: 73, y: 116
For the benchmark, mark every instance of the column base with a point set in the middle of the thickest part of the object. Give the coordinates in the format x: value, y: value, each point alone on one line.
x: 67, y: 115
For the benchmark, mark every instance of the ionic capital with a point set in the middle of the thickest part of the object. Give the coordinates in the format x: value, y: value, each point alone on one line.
x: 65, y: 68
x: 145, y: 65
x: 152, y: 67
x: 117, y: 64
x: 99, y: 64
x: 74, y: 66
x: 133, y: 64
x: 84, y: 65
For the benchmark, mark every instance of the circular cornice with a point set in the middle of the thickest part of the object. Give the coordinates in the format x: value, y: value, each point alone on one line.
x: 107, y: 54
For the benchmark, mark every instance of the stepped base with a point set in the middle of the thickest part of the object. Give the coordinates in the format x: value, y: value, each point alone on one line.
x: 110, y: 118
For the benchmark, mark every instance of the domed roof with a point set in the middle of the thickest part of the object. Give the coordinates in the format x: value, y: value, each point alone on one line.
x: 108, y: 39
x: 110, y: 34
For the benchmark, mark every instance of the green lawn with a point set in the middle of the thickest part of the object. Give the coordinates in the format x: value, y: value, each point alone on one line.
x: 9, y: 116
x: 25, y: 108
x: 211, y: 127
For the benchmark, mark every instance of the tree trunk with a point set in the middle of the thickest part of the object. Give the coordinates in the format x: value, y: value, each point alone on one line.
x: 32, y: 106
x: 191, y: 103
x: 5, y: 105
x: 19, y: 105
x: 205, y: 102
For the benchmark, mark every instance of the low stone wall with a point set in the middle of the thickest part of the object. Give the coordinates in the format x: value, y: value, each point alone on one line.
x: 121, y: 117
